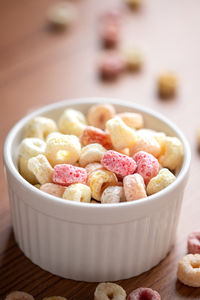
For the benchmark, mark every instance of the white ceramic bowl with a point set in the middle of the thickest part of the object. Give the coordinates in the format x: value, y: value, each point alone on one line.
x: 93, y: 242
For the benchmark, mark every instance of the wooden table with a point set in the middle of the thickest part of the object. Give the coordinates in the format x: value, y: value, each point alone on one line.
x: 38, y: 66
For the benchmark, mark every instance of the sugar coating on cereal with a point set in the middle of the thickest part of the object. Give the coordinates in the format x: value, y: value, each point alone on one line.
x: 147, y: 165
x: 121, y: 165
x: 66, y: 174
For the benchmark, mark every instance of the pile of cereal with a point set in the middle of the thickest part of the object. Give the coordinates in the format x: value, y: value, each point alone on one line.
x: 106, y: 157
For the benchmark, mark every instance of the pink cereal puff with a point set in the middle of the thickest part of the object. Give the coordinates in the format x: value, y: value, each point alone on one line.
x: 193, y: 242
x: 93, y: 135
x: 110, y: 35
x: 144, y: 294
x: 147, y: 165
x: 118, y: 163
x: 65, y: 174
x: 134, y: 187
x: 53, y: 189
x: 110, y: 66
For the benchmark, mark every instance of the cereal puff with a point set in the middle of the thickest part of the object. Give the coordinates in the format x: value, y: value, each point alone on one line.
x: 104, y: 291
x: 72, y: 122
x: 173, y: 153
x: 99, y: 114
x: 40, y: 127
x: 133, y: 120
x: 160, y: 181
x: 144, y: 293
x: 62, y: 149
x: 113, y: 194
x: 134, y: 187
x: 189, y: 270
x: 91, y: 153
x: 78, y: 192
x: 18, y: 295
x: 121, y: 135
x: 99, y: 180
x: 28, y: 148
x: 41, y: 168
x: 53, y: 189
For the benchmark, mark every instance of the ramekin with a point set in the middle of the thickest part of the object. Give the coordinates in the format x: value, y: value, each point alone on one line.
x: 92, y: 242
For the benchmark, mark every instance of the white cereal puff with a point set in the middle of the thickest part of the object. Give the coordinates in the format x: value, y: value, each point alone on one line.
x: 62, y: 149
x: 173, y: 153
x: 40, y: 127
x: 160, y: 181
x: 121, y: 135
x: 104, y: 291
x: 30, y: 147
x: 72, y: 122
x: 78, y: 192
x: 41, y: 168
x: 91, y: 153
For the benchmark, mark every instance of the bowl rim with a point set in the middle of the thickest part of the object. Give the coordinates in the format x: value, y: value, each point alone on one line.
x: 8, y: 161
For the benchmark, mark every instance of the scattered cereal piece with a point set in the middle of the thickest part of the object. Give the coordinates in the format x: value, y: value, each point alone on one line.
x: 167, y: 85
x: 41, y: 168
x: 117, y: 163
x: 53, y: 189
x: 108, y: 290
x: 160, y: 181
x: 18, y: 295
x: 194, y: 243
x: 133, y: 120
x: 146, y: 143
x: 144, y: 294
x: 91, y: 153
x: 110, y: 35
x: 62, y: 14
x: 63, y: 149
x: 111, y: 66
x: 173, y: 153
x: 93, y: 167
x: 189, y: 270
x: 40, y: 127
x: 134, y: 4
x: 198, y: 138
x: 78, y: 192
x: 66, y: 174
x: 133, y: 59
x: 99, y: 180
x: 134, y: 187
x: 99, y: 114
x: 121, y: 135
x: 147, y: 165
x: 93, y: 135
x: 113, y: 194
x: 72, y: 122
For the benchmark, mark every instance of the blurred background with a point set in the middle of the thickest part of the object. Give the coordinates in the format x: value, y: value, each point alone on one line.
x: 40, y: 65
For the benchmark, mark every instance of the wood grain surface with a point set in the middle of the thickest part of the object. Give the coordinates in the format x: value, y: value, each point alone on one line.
x: 39, y: 66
